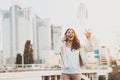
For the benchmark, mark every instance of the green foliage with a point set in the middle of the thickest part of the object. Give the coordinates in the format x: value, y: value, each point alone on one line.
x: 18, y: 59
x: 28, y: 53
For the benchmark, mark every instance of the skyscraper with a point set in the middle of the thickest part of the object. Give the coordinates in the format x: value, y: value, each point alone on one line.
x: 41, y: 38
x: 55, y: 35
x: 82, y: 14
x: 16, y: 29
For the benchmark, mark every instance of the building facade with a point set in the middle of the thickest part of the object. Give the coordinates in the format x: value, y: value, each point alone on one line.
x: 41, y: 38
x: 55, y: 35
x: 16, y: 29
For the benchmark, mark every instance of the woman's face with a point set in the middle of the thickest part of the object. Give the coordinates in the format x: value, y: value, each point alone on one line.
x: 70, y: 35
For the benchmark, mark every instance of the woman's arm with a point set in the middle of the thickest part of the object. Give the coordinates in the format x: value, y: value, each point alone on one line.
x: 83, y: 55
x: 57, y: 50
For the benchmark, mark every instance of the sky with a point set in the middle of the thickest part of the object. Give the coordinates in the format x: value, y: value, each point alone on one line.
x: 103, y: 16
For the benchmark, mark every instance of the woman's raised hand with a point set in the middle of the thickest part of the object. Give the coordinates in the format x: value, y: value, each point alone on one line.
x: 64, y: 38
x: 87, y: 33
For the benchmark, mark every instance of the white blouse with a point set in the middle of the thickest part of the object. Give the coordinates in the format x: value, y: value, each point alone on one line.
x: 73, y: 62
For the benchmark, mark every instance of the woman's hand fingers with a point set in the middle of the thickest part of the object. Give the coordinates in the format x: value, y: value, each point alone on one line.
x: 64, y: 38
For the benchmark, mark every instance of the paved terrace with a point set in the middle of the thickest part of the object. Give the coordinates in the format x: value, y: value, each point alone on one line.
x: 34, y: 74
x: 48, y: 74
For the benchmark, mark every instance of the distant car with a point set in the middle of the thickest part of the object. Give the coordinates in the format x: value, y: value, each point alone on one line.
x: 32, y: 66
x: 56, y: 67
x: 2, y: 67
x: 10, y: 67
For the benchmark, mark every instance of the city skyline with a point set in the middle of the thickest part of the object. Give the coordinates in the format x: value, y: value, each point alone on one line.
x: 18, y: 26
x: 103, y: 15
x: 16, y: 30
x: 33, y: 28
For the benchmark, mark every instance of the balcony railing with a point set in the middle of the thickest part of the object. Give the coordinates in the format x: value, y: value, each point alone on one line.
x: 43, y: 72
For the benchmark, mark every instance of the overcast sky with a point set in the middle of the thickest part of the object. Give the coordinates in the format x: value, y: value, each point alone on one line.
x: 103, y: 15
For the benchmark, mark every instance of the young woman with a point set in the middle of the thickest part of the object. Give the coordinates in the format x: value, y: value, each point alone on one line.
x: 69, y: 50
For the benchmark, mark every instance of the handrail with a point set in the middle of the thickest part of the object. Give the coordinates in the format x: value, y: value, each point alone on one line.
x: 91, y: 74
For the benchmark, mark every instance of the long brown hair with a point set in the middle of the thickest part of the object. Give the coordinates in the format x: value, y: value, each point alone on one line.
x: 76, y: 41
x: 75, y: 45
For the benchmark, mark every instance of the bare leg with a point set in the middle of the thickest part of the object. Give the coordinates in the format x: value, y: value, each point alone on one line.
x: 65, y: 77
x: 76, y: 76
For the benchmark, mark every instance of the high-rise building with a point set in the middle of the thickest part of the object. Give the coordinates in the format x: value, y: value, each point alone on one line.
x: 1, y: 57
x: 51, y: 60
x: 41, y: 38
x: 16, y: 29
x: 82, y: 14
x: 55, y: 35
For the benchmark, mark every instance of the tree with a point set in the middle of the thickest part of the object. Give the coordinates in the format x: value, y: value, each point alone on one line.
x: 19, y: 59
x: 28, y: 53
